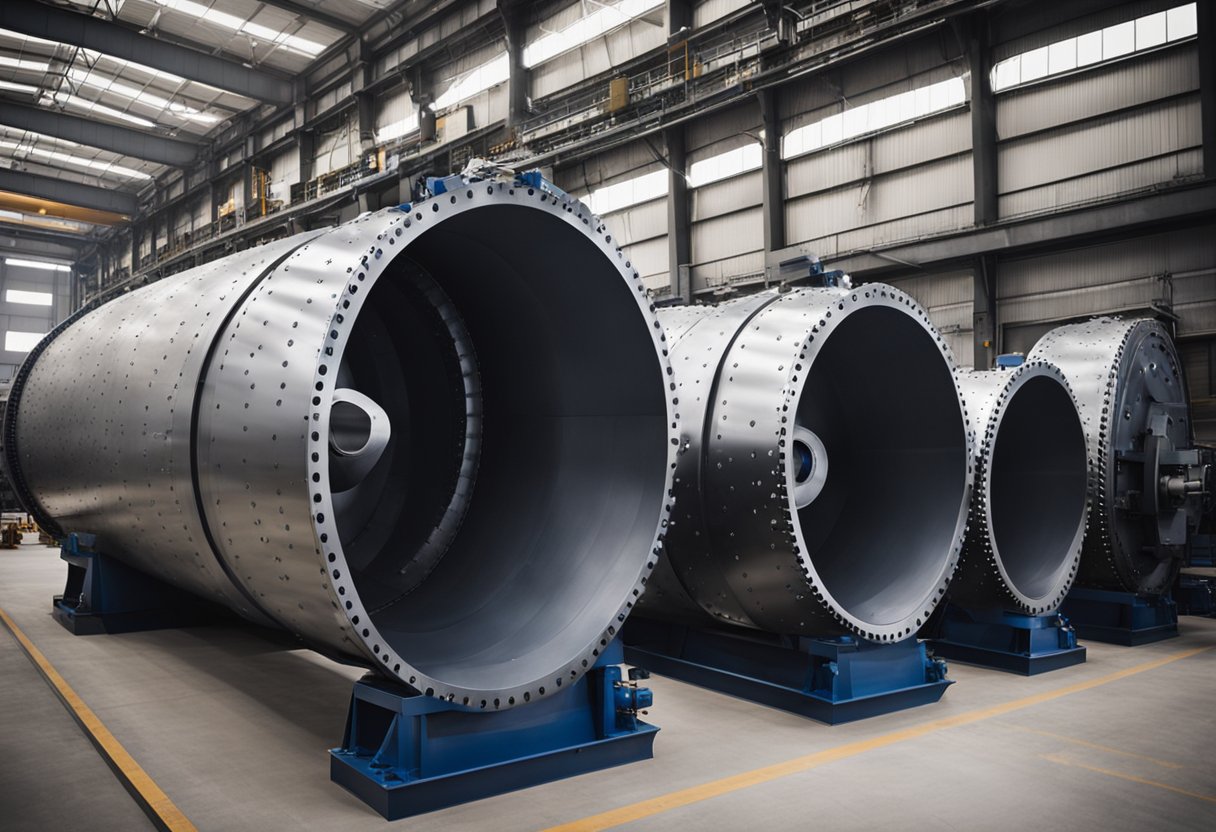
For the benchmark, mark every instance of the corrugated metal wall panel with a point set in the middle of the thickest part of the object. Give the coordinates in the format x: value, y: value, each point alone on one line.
x: 284, y: 172
x: 727, y: 196
x: 628, y: 161
x: 393, y: 106
x: 707, y: 11
x: 1138, y: 293
x: 1187, y: 164
x: 923, y: 189
x: 728, y: 127
x: 1117, y: 86
x: 1174, y: 252
x: 727, y: 236
x: 335, y: 149
x: 644, y: 221
x: 596, y: 57
x: 863, y: 239
x: 927, y: 140
x: 728, y: 270
x: 1098, y: 144
x: 649, y: 257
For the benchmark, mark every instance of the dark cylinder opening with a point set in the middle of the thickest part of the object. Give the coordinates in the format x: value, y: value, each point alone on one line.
x: 1037, y: 487
x: 350, y: 428
x: 882, y: 534
x: 803, y: 462
x: 568, y: 429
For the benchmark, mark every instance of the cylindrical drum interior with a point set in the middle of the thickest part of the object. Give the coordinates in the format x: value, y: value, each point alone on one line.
x: 439, y: 440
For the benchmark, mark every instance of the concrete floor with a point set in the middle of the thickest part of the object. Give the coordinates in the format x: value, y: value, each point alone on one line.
x: 234, y: 727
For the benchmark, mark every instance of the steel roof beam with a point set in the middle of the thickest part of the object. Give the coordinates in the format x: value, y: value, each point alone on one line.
x: 68, y: 192
x: 314, y: 13
x: 82, y: 30
x: 123, y: 140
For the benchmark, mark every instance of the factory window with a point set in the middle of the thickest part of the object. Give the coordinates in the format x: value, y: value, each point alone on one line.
x: 749, y: 157
x: 587, y: 28
x: 112, y: 86
x: 398, y: 128
x: 490, y: 74
x: 874, y: 116
x: 33, y: 298
x: 37, y: 264
x: 619, y: 195
x: 1091, y: 48
x: 15, y: 341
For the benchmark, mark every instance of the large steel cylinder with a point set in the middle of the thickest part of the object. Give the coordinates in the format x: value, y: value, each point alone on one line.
x: 824, y: 473
x: 1030, y: 501
x: 1132, y: 397
x: 437, y: 440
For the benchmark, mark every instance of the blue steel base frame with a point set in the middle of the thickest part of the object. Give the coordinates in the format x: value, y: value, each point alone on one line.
x: 1025, y: 644
x: 104, y: 595
x: 1120, y: 617
x: 405, y: 753
x: 831, y: 680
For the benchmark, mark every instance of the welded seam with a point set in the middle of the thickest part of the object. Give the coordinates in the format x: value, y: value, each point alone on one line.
x: 195, y: 480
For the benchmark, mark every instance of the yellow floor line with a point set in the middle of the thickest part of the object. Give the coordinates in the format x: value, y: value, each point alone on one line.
x: 1096, y: 746
x: 129, y: 771
x: 716, y: 788
x: 1144, y: 781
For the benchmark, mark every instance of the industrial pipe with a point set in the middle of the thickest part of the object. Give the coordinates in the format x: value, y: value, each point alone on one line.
x: 1029, y: 504
x: 824, y: 473
x: 1131, y: 393
x: 437, y: 439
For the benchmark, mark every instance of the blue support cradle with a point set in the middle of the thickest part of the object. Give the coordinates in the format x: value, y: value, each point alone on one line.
x: 1121, y: 617
x: 832, y: 680
x: 1017, y: 643
x: 405, y: 753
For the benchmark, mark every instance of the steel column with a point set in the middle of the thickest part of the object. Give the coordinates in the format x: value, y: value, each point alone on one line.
x: 679, y: 225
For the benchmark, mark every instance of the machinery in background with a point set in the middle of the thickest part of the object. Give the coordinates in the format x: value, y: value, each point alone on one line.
x: 1149, y: 480
x: 299, y: 436
x: 1028, y: 513
x: 822, y: 491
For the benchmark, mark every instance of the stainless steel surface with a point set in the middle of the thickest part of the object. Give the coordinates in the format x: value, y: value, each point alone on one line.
x: 1030, y: 501
x: 441, y: 442
x: 1118, y: 369
x: 863, y: 372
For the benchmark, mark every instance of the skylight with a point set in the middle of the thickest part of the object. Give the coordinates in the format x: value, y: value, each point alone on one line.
x: 1091, y: 48
x: 75, y: 101
x: 236, y: 24
x: 490, y: 74
x: 91, y: 78
x: 15, y: 341
x: 749, y: 157
x: 31, y: 298
x: 72, y: 159
x: 587, y: 28
x: 25, y: 88
x: 619, y: 195
x: 874, y: 116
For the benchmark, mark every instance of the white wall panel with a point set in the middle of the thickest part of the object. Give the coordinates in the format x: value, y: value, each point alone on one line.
x: 1119, y: 86
x: 1106, y: 142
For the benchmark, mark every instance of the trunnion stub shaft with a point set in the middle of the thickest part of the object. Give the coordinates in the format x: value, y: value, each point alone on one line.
x: 825, y: 466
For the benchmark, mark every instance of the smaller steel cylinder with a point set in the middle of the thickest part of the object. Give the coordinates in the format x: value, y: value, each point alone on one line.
x: 1029, y: 504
